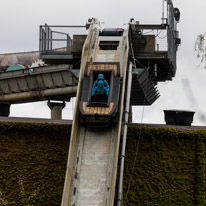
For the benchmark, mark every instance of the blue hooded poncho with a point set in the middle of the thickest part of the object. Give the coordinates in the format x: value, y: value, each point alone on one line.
x: 101, y: 77
x: 100, y: 90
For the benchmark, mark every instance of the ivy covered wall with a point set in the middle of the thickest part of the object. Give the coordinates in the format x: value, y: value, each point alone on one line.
x: 167, y: 170
x: 32, y: 163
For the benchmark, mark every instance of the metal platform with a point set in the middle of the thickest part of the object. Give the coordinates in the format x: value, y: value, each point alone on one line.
x: 58, y: 47
x: 161, y: 68
x: 155, y: 47
x: 56, y: 82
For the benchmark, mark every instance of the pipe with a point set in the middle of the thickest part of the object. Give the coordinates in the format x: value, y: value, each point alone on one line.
x: 129, y: 86
x: 59, y: 91
x: 39, y: 95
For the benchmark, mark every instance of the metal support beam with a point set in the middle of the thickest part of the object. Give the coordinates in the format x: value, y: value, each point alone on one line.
x: 130, y: 115
x: 56, y: 109
x: 129, y: 85
x: 37, y: 95
x: 151, y: 26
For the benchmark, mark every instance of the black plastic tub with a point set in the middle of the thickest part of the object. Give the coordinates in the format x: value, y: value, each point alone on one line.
x: 4, y: 109
x: 179, y: 117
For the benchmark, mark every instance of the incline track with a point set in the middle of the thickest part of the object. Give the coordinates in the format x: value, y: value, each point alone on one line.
x: 93, y: 168
x: 93, y: 153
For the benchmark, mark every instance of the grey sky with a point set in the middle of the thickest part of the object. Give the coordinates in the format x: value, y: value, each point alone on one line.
x: 20, y: 22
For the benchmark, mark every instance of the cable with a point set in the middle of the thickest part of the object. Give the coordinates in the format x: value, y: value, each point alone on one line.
x: 160, y: 36
x: 150, y: 31
x: 158, y: 33
x: 135, y: 60
x: 133, y: 55
x: 137, y: 149
x: 76, y: 63
x: 140, y: 64
x: 139, y: 138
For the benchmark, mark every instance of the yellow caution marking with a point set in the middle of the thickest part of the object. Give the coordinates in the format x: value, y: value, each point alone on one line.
x: 97, y: 110
x: 102, y: 67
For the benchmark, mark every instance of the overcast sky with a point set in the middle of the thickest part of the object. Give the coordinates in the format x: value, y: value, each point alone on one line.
x: 20, y: 20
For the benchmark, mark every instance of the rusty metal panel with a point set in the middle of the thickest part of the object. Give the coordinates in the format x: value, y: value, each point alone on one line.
x: 40, y: 78
x: 40, y: 82
x: 48, y: 81
x: 68, y: 78
x: 5, y: 87
x: 32, y: 83
x: 13, y: 85
x: 57, y: 79
x: 78, y: 42
x: 23, y: 85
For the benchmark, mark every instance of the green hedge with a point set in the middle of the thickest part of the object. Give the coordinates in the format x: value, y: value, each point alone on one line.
x: 33, y: 163
x: 169, y: 169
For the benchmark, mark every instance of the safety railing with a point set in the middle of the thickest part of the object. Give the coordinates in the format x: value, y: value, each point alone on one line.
x: 172, y: 35
x: 51, y: 41
x: 166, y: 38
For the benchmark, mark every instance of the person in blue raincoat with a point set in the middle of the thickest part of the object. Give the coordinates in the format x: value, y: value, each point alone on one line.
x: 100, y: 77
x: 100, y: 89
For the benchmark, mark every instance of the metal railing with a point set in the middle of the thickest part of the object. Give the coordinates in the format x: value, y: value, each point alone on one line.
x: 165, y: 35
x: 171, y: 35
x: 161, y: 38
x: 55, y: 41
